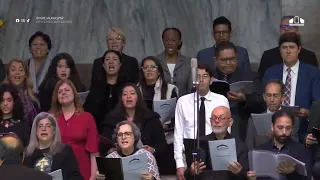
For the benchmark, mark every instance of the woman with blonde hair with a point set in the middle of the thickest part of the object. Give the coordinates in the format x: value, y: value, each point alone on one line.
x: 78, y: 127
x: 18, y: 75
x: 45, y: 146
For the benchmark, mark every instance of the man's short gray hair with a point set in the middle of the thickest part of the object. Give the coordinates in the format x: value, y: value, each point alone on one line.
x: 135, y: 131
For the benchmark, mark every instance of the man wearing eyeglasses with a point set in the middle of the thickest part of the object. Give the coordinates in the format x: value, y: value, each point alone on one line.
x: 273, y: 97
x: 227, y: 70
x: 222, y: 31
x: 220, y: 121
x: 272, y: 56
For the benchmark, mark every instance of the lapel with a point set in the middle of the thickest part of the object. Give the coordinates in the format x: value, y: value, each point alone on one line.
x: 57, y: 160
x: 301, y: 78
x: 236, y: 76
x: 164, y: 63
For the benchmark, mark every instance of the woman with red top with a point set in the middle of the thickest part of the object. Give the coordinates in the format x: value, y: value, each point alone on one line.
x: 78, y: 128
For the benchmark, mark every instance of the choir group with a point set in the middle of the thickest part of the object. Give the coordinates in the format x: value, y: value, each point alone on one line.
x: 54, y: 129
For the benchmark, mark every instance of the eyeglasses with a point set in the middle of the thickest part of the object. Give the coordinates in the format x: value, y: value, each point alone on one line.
x: 125, y: 134
x: 152, y: 68
x: 118, y: 39
x: 214, y: 118
x: 47, y: 126
x: 225, y: 61
x: 224, y: 33
x: 276, y: 96
x: 287, y: 27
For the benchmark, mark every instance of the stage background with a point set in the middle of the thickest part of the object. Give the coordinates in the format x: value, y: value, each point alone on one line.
x: 255, y: 25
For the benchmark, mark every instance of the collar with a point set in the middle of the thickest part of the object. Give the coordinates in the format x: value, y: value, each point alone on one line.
x: 227, y: 136
x: 207, y: 96
x: 163, y: 56
x: 294, y: 68
x: 123, y: 155
x: 268, y: 111
x: 287, y: 144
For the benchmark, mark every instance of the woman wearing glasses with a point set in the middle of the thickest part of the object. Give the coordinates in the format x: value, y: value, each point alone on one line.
x: 133, y: 108
x: 154, y: 86
x: 127, y: 135
x: 11, y: 113
x: 46, y: 152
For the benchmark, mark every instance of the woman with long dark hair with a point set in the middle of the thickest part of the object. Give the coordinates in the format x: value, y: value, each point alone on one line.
x: 103, y: 96
x: 132, y: 107
x: 62, y: 67
x: 11, y: 113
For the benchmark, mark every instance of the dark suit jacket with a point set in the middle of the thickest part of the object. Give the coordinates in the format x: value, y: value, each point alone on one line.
x: 297, y: 151
x: 272, y: 57
x: 182, y: 73
x: 207, y: 56
x: 242, y: 158
x: 64, y: 160
x: 18, y: 171
x: 314, y: 121
x: 240, y: 110
x: 2, y: 71
x: 308, y: 85
x: 129, y: 71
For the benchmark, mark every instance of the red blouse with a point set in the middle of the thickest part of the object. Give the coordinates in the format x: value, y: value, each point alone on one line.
x: 80, y: 132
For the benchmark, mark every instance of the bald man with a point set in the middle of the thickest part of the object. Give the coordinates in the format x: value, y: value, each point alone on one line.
x: 11, y: 157
x: 221, y: 120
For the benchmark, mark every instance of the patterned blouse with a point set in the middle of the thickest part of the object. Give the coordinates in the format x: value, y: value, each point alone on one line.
x: 152, y: 163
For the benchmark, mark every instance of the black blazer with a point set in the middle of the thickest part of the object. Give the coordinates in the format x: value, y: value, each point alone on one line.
x: 18, y: 171
x: 242, y: 156
x: 152, y: 132
x: 272, y: 57
x: 129, y: 70
x: 64, y: 160
x: 2, y: 71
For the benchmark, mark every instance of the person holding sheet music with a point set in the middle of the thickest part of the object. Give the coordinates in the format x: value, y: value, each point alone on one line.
x: 221, y: 120
x: 46, y: 152
x: 282, y: 127
x: 312, y: 139
x: 154, y: 86
x: 127, y: 135
x: 62, y: 67
x: 132, y: 107
x: 302, y: 80
x: 77, y: 127
x: 103, y: 96
x: 185, y: 113
x: 273, y: 97
x: 227, y: 70
x: 11, y: 113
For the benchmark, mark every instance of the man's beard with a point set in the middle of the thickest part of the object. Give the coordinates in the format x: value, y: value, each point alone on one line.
x: 219, y: 130
x: 282, y: 139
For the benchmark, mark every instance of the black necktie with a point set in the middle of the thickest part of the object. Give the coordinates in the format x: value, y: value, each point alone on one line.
x: 202, y: 118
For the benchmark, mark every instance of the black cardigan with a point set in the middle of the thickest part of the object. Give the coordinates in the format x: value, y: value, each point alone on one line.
x: 64, y: 160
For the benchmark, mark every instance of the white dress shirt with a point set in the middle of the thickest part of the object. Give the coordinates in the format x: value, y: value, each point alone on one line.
x: 294, y: 79
x: 186, y: 126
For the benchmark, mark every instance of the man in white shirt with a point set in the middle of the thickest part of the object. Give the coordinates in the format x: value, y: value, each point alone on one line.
x: 185, y: 125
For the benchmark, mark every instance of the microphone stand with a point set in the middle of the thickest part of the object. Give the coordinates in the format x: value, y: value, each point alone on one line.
x: 198, y: 152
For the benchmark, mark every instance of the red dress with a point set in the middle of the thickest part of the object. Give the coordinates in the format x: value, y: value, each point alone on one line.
x: 80, y: 132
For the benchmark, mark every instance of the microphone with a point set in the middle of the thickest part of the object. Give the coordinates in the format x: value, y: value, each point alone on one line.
x: 194, y: 66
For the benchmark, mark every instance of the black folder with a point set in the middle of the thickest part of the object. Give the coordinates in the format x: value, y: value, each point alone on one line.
x: 110, y: 167
x: 189, y: 150
x: 316, y: 133
x: 220, y: 87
